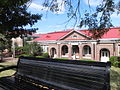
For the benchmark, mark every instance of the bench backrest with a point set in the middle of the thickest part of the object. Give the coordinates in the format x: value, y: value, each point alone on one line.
x: 64, y: 74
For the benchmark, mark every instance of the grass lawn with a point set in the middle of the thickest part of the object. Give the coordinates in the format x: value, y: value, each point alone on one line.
x: 7, y: 72
x: 114, y: 74
x: 115, y: 78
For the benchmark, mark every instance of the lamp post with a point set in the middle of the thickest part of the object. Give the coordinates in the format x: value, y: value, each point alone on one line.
x: 13, y: 47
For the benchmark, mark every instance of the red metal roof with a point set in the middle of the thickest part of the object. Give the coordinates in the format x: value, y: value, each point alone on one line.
x: 51, y: 36
x: 55, y: 36
x: 112, y: 33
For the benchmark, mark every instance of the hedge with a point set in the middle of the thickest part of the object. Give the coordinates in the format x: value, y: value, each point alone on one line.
x: 115, y: 61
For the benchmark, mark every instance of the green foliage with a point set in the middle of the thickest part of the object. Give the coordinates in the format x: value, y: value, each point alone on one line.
x: 18, y: 48
x: 39, y: 56
x: 46, y: 55
x: 14, y: 16
x: 29, y: 49
x: 32, y: 49
x: 18, y: 51
x: 3, y: 42
x: 114, y: 61
x: 17, y: 56
x: 2, y: 37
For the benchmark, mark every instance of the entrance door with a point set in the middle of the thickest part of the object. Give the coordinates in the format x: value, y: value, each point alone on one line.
x: 53, y: 53
x: 104, y: 55
x: 75, y: 52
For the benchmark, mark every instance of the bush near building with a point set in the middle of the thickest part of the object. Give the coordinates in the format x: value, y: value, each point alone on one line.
x: 115, y: 61
x: 46, y: 55
x: 32, y: 49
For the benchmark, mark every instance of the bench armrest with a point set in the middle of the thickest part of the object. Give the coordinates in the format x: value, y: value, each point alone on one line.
x: 9, y: 67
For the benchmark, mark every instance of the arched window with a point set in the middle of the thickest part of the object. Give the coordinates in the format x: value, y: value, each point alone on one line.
x: 64, y: 49
x: 86, y: 50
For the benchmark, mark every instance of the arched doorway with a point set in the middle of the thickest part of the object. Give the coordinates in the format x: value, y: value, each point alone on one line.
x: 104, y: 55
x: 87, y: 52
x: 53, y: 52
x: 64, y: 51
x: 75, y: 52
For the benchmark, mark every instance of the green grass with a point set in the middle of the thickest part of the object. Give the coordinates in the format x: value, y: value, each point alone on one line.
x: 115, y: 78
x: 7, y: 72
x: 114, y: 74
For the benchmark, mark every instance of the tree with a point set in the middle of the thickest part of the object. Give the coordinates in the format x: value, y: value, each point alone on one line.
x: 2, y: 45
x: 14, y: 16
x: 32, y: 49
x: 98, y: 21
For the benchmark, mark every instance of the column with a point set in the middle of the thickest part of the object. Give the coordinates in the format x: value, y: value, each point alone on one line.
x: 93, y: 48
x: 70, y: 50
x: 80, y: 50
x: 58, y: 50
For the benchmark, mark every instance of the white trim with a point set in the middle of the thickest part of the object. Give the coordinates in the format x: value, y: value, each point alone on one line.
x: 86, y: 57
x: 110, y: 39
x: 74, y: 43
x: 65, y: 56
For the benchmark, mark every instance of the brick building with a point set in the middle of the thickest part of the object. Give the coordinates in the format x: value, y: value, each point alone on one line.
x: 77, y: 44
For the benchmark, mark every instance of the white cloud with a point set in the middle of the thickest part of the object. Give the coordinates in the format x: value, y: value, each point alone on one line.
x: 92, y: 2
x: 115, y: 15
x: 37, y: 7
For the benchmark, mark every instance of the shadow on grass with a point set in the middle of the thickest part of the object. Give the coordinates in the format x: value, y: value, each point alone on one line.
x: 2, y: 66
x: 13, y: 67
x: 2, y: 61
x: 115, y: 78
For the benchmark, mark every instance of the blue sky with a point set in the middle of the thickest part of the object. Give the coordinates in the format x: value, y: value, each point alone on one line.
x: 54, y: 22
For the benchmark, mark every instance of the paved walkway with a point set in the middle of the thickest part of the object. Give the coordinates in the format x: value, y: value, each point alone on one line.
x: 9, y: 59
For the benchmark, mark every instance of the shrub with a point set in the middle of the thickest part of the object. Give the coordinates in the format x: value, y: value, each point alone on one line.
x: 32, y: 49
x: 18, y: 50
x: 17, y: 56
x: 39, y: 56
x: 46, y: 55
x: 114, y: 61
